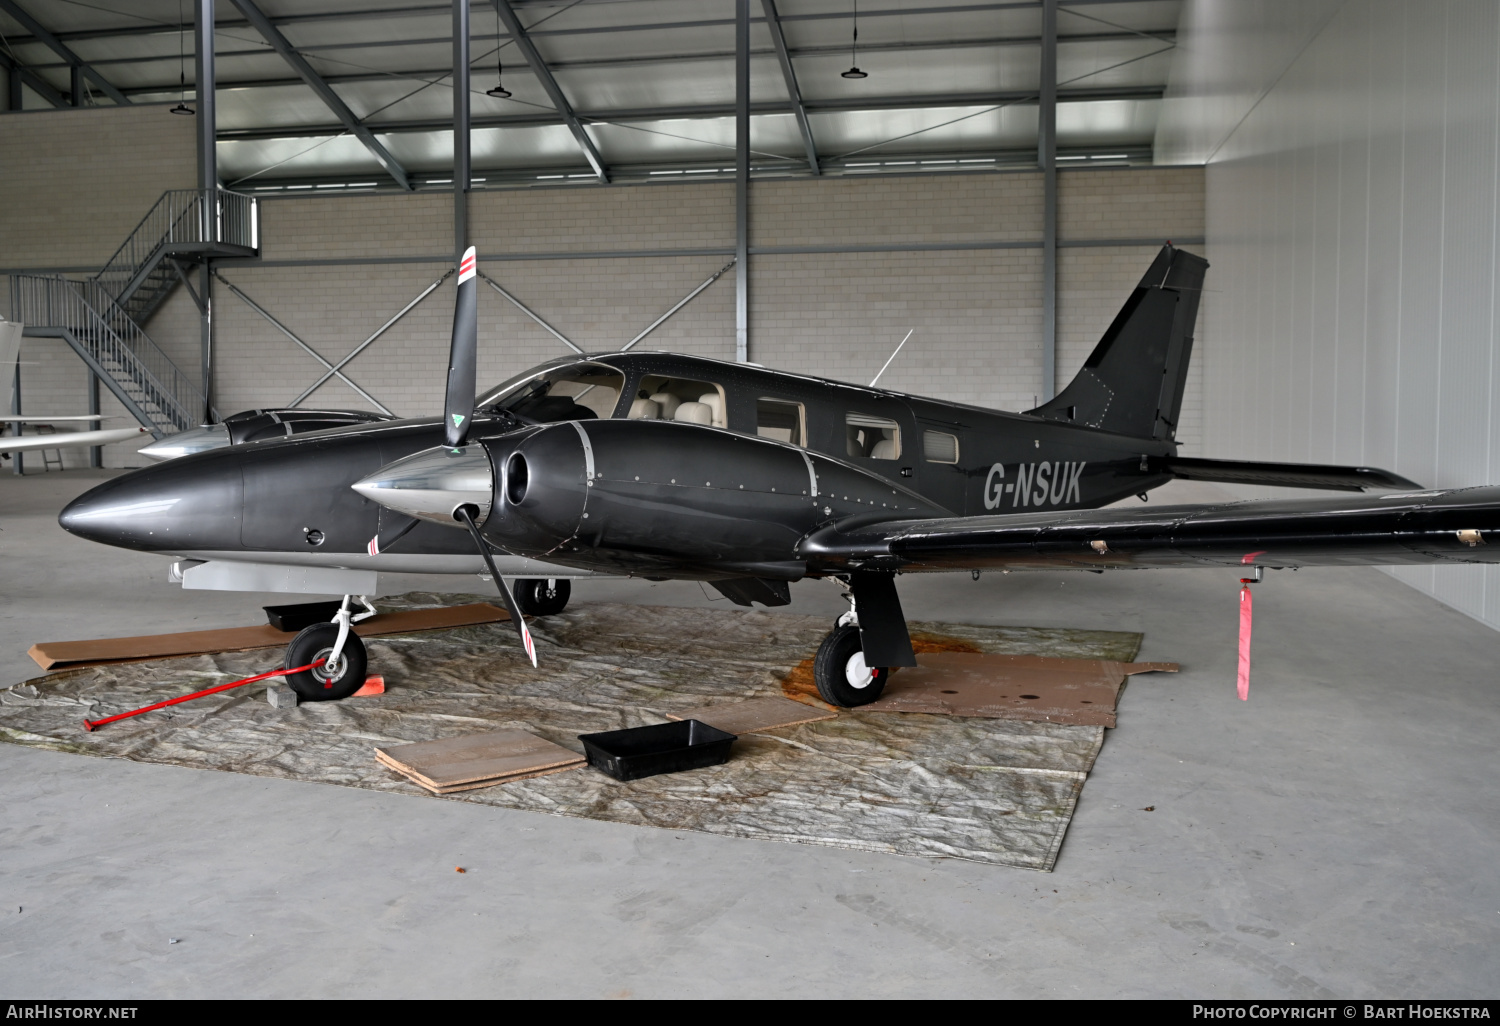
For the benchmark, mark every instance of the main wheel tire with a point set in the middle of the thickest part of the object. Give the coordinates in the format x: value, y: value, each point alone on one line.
x: 325, y: 683
x: 839, y: 669
x: 543, y: 597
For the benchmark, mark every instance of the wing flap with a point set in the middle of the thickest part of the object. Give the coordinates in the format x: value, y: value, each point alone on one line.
x: 1461, y: 526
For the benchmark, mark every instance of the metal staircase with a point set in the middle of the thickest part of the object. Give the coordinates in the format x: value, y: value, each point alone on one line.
x: 181, y: 229
x: 148, y: 384
x: 100, y: 318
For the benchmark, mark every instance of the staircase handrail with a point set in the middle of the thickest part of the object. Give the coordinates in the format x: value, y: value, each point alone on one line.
x: 87, y: 308
x: 178, y: 216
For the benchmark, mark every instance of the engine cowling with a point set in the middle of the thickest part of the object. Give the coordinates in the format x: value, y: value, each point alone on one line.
x: 657, y: 496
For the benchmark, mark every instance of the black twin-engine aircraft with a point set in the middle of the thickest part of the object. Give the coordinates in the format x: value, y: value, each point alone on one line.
x: 666, y: 467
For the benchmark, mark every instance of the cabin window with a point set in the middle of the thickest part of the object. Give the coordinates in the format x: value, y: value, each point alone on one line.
x: 579, y: 392
x: 939, y: 447
x: 775, y: 418
x: 873, y: 438
x: 680, y: 399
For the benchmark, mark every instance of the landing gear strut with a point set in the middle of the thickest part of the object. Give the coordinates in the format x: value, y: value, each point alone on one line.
x: 343, y: 653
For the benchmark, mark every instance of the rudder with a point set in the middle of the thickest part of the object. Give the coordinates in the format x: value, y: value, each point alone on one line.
x: 1132, y: 383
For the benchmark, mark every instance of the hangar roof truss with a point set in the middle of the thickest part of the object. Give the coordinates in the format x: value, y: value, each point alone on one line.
x: 356, y: 93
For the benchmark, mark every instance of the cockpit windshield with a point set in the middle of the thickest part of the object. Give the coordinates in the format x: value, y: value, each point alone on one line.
x: 573, y: 391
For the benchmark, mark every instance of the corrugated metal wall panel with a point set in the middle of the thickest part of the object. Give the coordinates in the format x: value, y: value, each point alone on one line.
x: 1352, y: 225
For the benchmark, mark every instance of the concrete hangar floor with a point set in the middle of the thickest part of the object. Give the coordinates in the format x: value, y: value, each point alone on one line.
x: 1332, y: 837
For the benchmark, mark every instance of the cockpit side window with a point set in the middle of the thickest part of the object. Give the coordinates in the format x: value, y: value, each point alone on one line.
x: 781, y: 420
x: 578, y: 392
x: 681, y: 399
x: 875, y: 438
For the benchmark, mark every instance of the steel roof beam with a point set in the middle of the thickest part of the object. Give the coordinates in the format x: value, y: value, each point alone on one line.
x: 806, y: 51
x: 431, y: 10
x: 600, y: 62
x: 57, y: 46
x: 325, y: 92
x: 22, y: 73
x: 554, y: 92
x: 725, y: 110
x: 778, y: 40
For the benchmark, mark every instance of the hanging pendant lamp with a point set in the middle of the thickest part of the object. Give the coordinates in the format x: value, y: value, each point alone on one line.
x: 182, y: 107
x: 499, y: 92
x: 854, y: 71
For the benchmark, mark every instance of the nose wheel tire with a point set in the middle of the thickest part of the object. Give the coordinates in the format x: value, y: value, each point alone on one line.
x: 325, y: 683
x: 840, y: 672
x: 543, y: 597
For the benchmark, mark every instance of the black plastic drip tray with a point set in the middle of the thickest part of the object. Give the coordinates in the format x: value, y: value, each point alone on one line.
x: 304, y: 614
x: 660, y: 748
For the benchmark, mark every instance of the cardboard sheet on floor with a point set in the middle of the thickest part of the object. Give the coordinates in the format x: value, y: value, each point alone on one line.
x: 1011, y: 687
x: 62, y: 655
x: 996, y: 791
x: 477, y: 760
x: 756, y: 714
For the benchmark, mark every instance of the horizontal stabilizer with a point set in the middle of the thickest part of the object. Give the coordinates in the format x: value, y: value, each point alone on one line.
x: 1457, y: 526
x: 1283, y: 475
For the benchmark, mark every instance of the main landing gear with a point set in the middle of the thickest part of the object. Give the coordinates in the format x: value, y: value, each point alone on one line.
x: 839, y: 669
x: 343, y: 653
x: 855, y: 660
x: 543, y: 596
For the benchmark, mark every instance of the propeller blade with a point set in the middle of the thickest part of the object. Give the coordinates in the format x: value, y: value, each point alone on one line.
x: 458, y: 402
x: 466, y: 514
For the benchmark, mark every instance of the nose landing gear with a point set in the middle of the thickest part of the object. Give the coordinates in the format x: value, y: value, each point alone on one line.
x: 343, y: 653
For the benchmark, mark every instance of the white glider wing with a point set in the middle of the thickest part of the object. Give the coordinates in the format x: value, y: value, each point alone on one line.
x: 28, y: 443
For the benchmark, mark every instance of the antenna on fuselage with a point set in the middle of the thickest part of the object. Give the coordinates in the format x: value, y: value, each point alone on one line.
x: 888, y: 362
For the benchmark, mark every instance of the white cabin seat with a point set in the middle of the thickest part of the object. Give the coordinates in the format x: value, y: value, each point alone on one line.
x: 644, y: 409
x: 714, y: 401
x: 694, y: 413
x: 885, y: 449
x: 668, y: 403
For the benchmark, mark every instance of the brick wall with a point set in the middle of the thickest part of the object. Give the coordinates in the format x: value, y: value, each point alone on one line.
x: 73, y: 183
x: 921, y: 209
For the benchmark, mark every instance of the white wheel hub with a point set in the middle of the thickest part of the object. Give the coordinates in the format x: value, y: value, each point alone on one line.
x: 328, y: 672
x: 857, y: 673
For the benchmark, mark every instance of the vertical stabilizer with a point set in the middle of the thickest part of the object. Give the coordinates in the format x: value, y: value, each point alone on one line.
x: 1132, y: 382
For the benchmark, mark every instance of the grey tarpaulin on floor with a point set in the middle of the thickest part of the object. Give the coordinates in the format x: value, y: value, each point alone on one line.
x: 989, y: 790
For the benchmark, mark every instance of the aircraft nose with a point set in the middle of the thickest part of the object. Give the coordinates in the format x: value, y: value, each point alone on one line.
x: 194, y: 504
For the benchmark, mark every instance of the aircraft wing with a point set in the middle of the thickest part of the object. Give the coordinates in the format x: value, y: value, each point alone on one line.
x: 1450, y: 526
x: 1285, y: 475
x: 67, y: 440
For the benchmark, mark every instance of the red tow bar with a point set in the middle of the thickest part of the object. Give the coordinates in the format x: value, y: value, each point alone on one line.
x: 92, y: 725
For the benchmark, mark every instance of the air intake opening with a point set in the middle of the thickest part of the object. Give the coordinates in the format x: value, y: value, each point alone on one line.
x: 516, y: 479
